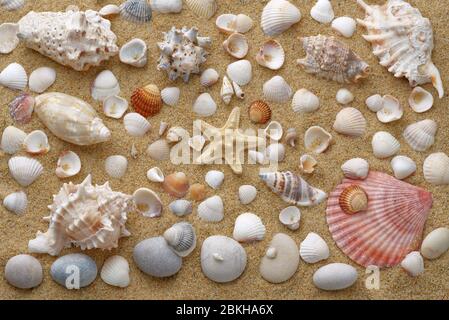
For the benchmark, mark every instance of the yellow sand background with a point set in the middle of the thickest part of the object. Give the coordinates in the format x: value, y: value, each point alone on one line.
x: 190, y: 283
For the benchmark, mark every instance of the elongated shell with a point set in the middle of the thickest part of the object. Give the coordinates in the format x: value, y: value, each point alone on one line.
x: 435, y: 244
x: 248, y: 227
x: 12, y: 139
x: 313, y: 249
x: 278, y: 16
x: 227, y: 91
x: 356, y: 168
x: 436, y: 169
x: 271, y: 55
x: 421, y: 135
x: 24, y: 170
x: 115, y: 272
x: 203, y: 8
x: 388, y: 229
x: 277, y: 90
x: 351, y: 122
x: 181, y: 237
x: 69, y: 164
x: 14, y: 77
x: 136, y: 125
x: 335, y: 276
x: 16, y: 202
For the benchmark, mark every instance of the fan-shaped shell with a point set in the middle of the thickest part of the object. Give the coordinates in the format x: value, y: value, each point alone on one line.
x: 305, y: 101
x: 375, y: 102
x: 384, y: 145
x: 181, y: 207
x: 147, y: 202
x: 211, y: 209
x: 24, y: 170
x: 240, y: 72
x: 69, y: 164
x: 16, y: 202
x: 209, y: 77
x: 316, y: 139
x: 12, y: 139
x: 105, y: 85
x: 403, y: 167
x: 278, y: 16
x: 277, y: 90
x: 41, y: 79
x: 344, y: 96
x: 181, y: 237
x: 313, y: 249
x: 116, y: 166
x: 170, y: 96
x: 136, y: 125
x: 247, y: 194
x: 204, y: 105
x: 436, y: 169
x: 147, y: 101
x: 14, y: 77
x: 413, y: 263
x: 356, y: 168
x: 351, y: 122
x: 138, y: 11
x: 421, y: 135
x: 248, y: 227
x: 159, y: 150
x: 203, y: 8
x: 271, y: 55
x: 353, y: 199
x: 259, y: 112
x: 322, y: 11
x: 420, y: 100
x: 345, y: 26
x: 214, y: 178
x: 115, y: 272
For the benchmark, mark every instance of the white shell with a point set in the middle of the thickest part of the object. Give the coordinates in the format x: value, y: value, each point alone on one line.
x: 16, y: 202
x: 229, y: 23
x: 316, y: 139
x: 203, y: 8
x: 248, y: 228
x: 345, y: 26
x: 256, y: 157
x: 211, y: 209
x: 277, y: 90
x: 291, y: 137
x: 335, y: 276
x: 350, y: 121
x: 290, y: 217
x: 41, y: 79
x: 115, y: 272
x: 227, y: 90
x: 413, y: 263
x: 209, y: 77
x: 8, y: 37
x: 238, y: 91
x: 116, y: 166
x: 435, y: 244
x: 197, y: 142
x: 181, y: 238
x: 421, y: 135
x: 391, y: 110
x: 24, y: 170
x: 136, y: 125
x: 403, y: 167
x: 69, y: 164
x: 271, y: 55
x: 274, y: 131
x: 166, y: 6
x: 344, y: 96
x: 14, y: 77
x: 176, y: 134
x: 204, y: 105
x: 275, y: 153
x: 247, y: 194
x: 105, y: 85
x: 12, y: 139
x: 147, y: 202
x: 181, y: 207
x: 36, y: 143
x: 313, y: 249
x: 236, y: 45
x: 322, y: 11
x: 356, y: 169
x: 214, y: 178
x: 384, y: 145
x: 159, y: 150
x: 307, y: 163
x: 420, y: 100
x: 278, y: 16
x: 115, y: 107
x: 134, y: 53
x: 375, y: 102
x: 163, y: 126
x: 170, y: 96
x: 109, y: 10
x: 11, y: 5
x: 155, y: 175
x: 240, y: 72
x: 436, y: 169
x: 304, y: 101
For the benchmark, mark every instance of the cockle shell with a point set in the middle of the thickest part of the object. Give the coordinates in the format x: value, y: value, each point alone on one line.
x: 41, y: 79
x: 307, y: 163
x: 277, y: 90
x: 344, y: 96
x: 420, y: 100
x: 236, y: 45
x: 116, y: 166
x: 356, y: 168
x: 350, y: 121
x: 8, y: 37
x: 69, y: 164
x: 115, y: 107
x: 345, y: 26
x: 230, y: 23
x: 155, y: 175
x: 290, y: 217
x: 313, y: 248
x: 391, y: 110
x: 181, y: 237
x: 384, y: 145
x: 147, y: 202
x: 436, y: 169
x: 14, y: 77
x: 36, y: 143
x: 435, y: 244
x: 240, y: 72
x: 274, y: 131
x: 21, y: 108
x: 322, y: 11
x: 293, y: 189
x: 375, y: 103
x: 138, y: 11
x: 271, y: 55
x: 74, y: 271
x: 204, y: 105
x: 166, y: 6
x: 12, y: 139
x: 181, y: 207
x: 203, y: 8
x: 211, y: 209
x: 353, y: 199
x: 247, y: 194
x: 278, y: 16
x: 403, y: 167
x: 227, y: 91
x: 209, y: 77
x: 159, y: 150
x: 316, y: 139
x: 389, y: 228
x: 71, y: 119
x: 335, y: 276
x: 176, y: 184
x: 23, y: 271
x: 421, y: 135
x: 134, y: 53
x: 24, y: 170
x: 214, y: 178
x: 331, y: 59
x: 147, y: 101
x: 402, y: 39
x: 304, y: 101
x: 136, y: 125
x: 16, y: 202
x: 291, y: 137
x: 248, y: 227
x: 115, y: 272
x: 170, y: 96
x: 413, y: 263
x: 109, y: 10
x: 197, y: 192
x: 259, y: 112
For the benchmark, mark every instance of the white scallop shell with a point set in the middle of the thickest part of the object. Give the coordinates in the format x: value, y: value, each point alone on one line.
x: 203, y: 8
x: 247, y: 194
x: 274, y: 131
x: 105, y: 85
x: 313, y: 249
x: 248, y: 228
x: 16, y: 202
x: 12, y: 139
x: 403, y: 167
x: 24, y: 170
x: 11, y: 5
x: 391, y: 110
x: 134, y: 53
x: 41, y: 79
x: 159, y: 150
x: 214, y: 178
x: 375, y: 102
x: 181, y: 238
x: 115, y: 272
x: 316, y: 139
x: 240, y: 72
x: 436, y: 169
x: 420, y: 100
x: 115, y: 107
x: 8, y: 37
x: 304, y: 101
x: 350, y: 121
x: 290, y: 217
x: 204, y: 105
x: 170, y: 96
x: 209, y: 77
x: 344, y: 96
x: 116, y: 166
x: 421, y: 135
x: 14, y: 77
x: 322, y: 11
x: 345, y: 26
x: 335, y: 276
x: 307, y: 163
x: 166, y: 6
x: 136, y: 125
x: 109, y: 10
x: 181, y: 207
x: 211, y: 209
x: 155, y: 175
x: 278, y: 16
x: 236, y: 45
x: 271, y: 55
x: 435, y: 244
x: 69, y: 164
x: 275, y: 152
x: 384, y: 145
x: 413, y: 263
x: 137, y: 11
x: 147, y: 202
x: 277, y: 90
x: 36, y: 143
x: 356, y: 169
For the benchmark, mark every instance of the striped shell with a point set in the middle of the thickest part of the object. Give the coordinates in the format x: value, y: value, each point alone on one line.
x: 147, y: 101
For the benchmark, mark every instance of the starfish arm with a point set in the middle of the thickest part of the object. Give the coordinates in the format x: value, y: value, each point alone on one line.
x: 233, y: 120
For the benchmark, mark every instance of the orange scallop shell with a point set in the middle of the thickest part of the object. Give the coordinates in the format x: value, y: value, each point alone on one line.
x: 259, y: 112
x: 176, y: 184
x: 147, y: 100
x: 353, y: 199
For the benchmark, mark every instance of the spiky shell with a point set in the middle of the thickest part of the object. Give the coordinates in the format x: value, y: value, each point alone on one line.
x: 181, y: 237
x: 24, y: 170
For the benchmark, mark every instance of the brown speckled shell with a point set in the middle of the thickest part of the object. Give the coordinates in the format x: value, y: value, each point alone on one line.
x: 147, y: 101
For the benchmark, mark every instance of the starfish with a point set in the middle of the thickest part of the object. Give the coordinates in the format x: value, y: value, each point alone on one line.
x: 228, y: 137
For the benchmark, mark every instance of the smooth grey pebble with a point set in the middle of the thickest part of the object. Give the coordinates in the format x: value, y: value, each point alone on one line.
x: 69, y: 265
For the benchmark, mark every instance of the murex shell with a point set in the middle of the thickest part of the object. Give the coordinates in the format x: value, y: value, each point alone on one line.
x: 76, y: 39
x: 86, y: 216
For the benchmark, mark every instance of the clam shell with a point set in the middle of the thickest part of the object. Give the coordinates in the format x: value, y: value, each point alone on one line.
x: 316, y: 139
x: 203, y: 8
x: 229, y: 23
x: 275, y: 152
x: 166, y: 6
x: 435, y: 244
x: 436, y: 169
x: 351, y: 122
x: 356, y: 168
x: 23, y: 271
x: 345, y: 26
x: 115, y: 272
x: 176, y: 184
x: 391, y: 110
x: 12, y: 139
x: 134, y: 53
x: 109, y: 10
x: 24, y: 170
x: 214, y: 179
x: 290, y: 217
x: 14, y: 77
x: 181, y: 237
x: 36, y: 143
x: 240, y: 72
x: 421, y: 135
x: 211, y: 209
x: 8, y: 37
x: 307, y: 163
x: 197, y: 192
x: 155, y: 175
x: 227, y: 90
x: 304, y: 101
x: 278, y: 16
x: 375, y: 102
x: 322, y: 11
x: 137, y: 11
x: 159, y: 150
x: 277, y: 90
x: 313, y: 249
x: 105, y: 85
x: 236, y: 45
x: 209, y: 77
x: 248, y: 228
x: 204, y: 105
x: 170, y: 96
x: 21, y: 108
x: 274, y: 131
x: 335, y: 276
x: 66, y: 269
x: 147, y: 202
x: 271, y: 55
x: 413, y: 263
x: 344, y: 96
x: 403, y: 167
x: 147, y: 101
x: 181, y: 207
x: 353, y: 200
x: 420, y: 100
x: 116, y: 166
x: 291, y: 137
x: 115, y: 107
x: 384, y: 145
x: 136, y: 125
x: 41, y: 79
x: 247, y: 194
x: 69, y: 164
x: 16, y: 202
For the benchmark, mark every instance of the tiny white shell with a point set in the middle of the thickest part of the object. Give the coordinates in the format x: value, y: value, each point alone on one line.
x: 162, y: 128
x: 322, y: 11
x: 435, y: 244
x: 12, y: 139
x: 170, y: 96
x: 316, y: 139
x: 16, y: 202
x: 413, y: 263
x: 291, y: 137
x: 24, y: 170
x: 238, y: 91
x: 350, y: 121
x: 403, y: 167
x: 203, y: 8
x: 211, y: 209
x: 384, y: 145
x: 116, y: 166
x: 277, y: 90
x: 344, y: 96
x: 204, y: 105
x: 209, y: 77
x: 421, y: 135
x: 41, y: 79
x: 391, y: 110
x: 69, y: 164
x: 115, y: 107
x: 181, y: 207
x: 356, y: 168
x: 197, y: 142
x: 248, y: 228
x: 375, y: 103
x: 136, y: 125
x: 14, y: 77
x: 271, y: 55
x: 36, y: 143
x: 290, y: 217
x: 166, y: 6
x: 176, y: 134
x: 227, y: 90
x: 335, y: 276
x: 307, y: 163
x: 155, y: 175
x: 304, y: 101
x: 436, y: 169
x: 109, y: 10
x: 115, y: 272
x: 247, y: 194
x: 278, y: 16
x: 236, y: 45
x: 420, y: 100
x: 147, y: 202
x: 105, y: 85
x: 214, y: 178
x: 134, y: 53
x: 240, y: 72
x: 275, y: 153
x: 134, y: 152
x: 345, y: 26
x: 159, y: 150
x: 8, y: 37
x: 274, y: 131
x: 313, y: 249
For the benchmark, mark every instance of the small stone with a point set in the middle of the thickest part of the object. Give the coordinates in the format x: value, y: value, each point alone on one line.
x: 74, y: 271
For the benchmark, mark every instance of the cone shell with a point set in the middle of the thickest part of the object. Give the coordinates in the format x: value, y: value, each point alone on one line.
x: 227, y: 90
x: 136, y: 125
x: 211, y: 209
x: 313, y: 249
x: 277, y: 90
x: 147, y: 101
x: 351, y: 122
x: 116, y: 166
x: 14, y: 77
x: 12, y: 139
x: 24, y: 170
x: 278, y: 16
x: 384, y: 145
x: 271, y: 55
x: 304, y: 101
x: 259, y: 112
x: 203, y: 8
x: 353, y: 199
x: 421, y: 135
x: 176, y: 184
x: 247, y: 194
x: 69, y: 164
x: 147, y: 202
x: 170, y: 96
x: 115, y: 272
x: 389, y: 228
x: 356, y: 168
x: 248, y: 227
x: 317, y: 140
x: 436, y: 169
x: 159, y: 150
x: 420, y: 100
x: 181, y: 237
x: 16, y: 202
x: 21, y: 108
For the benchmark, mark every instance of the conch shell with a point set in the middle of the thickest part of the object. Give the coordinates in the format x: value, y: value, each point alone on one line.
x: 86, y: 216
x: 402, y: 39
x: 71, y: 119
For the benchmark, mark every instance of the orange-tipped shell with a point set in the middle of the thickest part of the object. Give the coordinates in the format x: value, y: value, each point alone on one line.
x: 198, y: 192
x: 353, y: 199
x: 176, y: 184
x: 259, y: 112
x: 147, y: 100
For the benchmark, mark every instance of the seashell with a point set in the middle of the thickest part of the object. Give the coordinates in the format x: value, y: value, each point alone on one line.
x: 222, y: 259
x: 402, y: 39
x: 136, y: 125
x: 291, y: 137
x: 14, y: 77
x: 227, y: 91
x: 351, y: 122
x: 356, y: 169
x: 41, y: 79
x: 236, y: 45
x: 435, y: 244
x: 197, y: 142
x: 275, y: 153
x: 307, y: 163
x: 176, y: 184
x: 344, y: 96
x: 271, y: 55
x: 256, y: 157
x: 391, y: 110
x: 170, y: 96
x: 248, y: 228
x: 436, y: 169
x: 211, y: 209
x: 322, y: 11
x: 247, y: 194
x: 115, y: 166
x: 16, y: 202
x: 278, y: 16
x: 403, y: 167
x: 277, y: 90
x: 181, y: 237
x: 11, y: 5
x: 155, y: 175
x: 240, y: 72
x: 413, y: 263
x: 8, y: 37
x: 164, y: 6
x: 388, y: 229
x: 36, y: 143
x: 335, y: 276
x: 115, y: 272
x: 197, y: 191
x: 21, y: 108
x: 384, y: 145
x: 317, y: 140
x: 238, y: 91
x: 23, y: 271
x: 105, y: 85
x: 74, y: 271
x: 147, y: 101
x: 313, y: 249
x: 134, y: 53
x: 69, y: 164
x: 204, y: 105
x: 259, y: 112
x: 12, y: 139
x: 176, y: 134
x: 134, y: 152
x: 420, y: 100
x: 147, y: 202
x: 305, y: 101
x: 109, y: 10
x: 230, y: 23
x: 345, y: 26
x: 24, y: 170
x: 353, y: 200
x: 209, y: 77
x: 137, y: 11
x: 115, y: 107
x: 375, y: 103
x: 293, y: 189
x: 290, y: 217
x: 331, y: 59
x: 203, y: 8
x: 274, y: 131
x: 71, y: 119
x: 421, y: 135
x: 181, y: 207
x: 214, y: 179
x: 159, y: 150
x: 281, y: 259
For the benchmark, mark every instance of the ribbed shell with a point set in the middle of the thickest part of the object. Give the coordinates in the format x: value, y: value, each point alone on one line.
x: 259, y: 112
x: 351, y: 122
x: 138, y: 11
x: 182, y: 238
x: 421, y: 135
x: 313, y: 249
x: 24, y: 170
x: 12, y: 139
x: 248, y: 227
x: 278, y: 16
x: 147, y: 101
x: 203, y: 8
